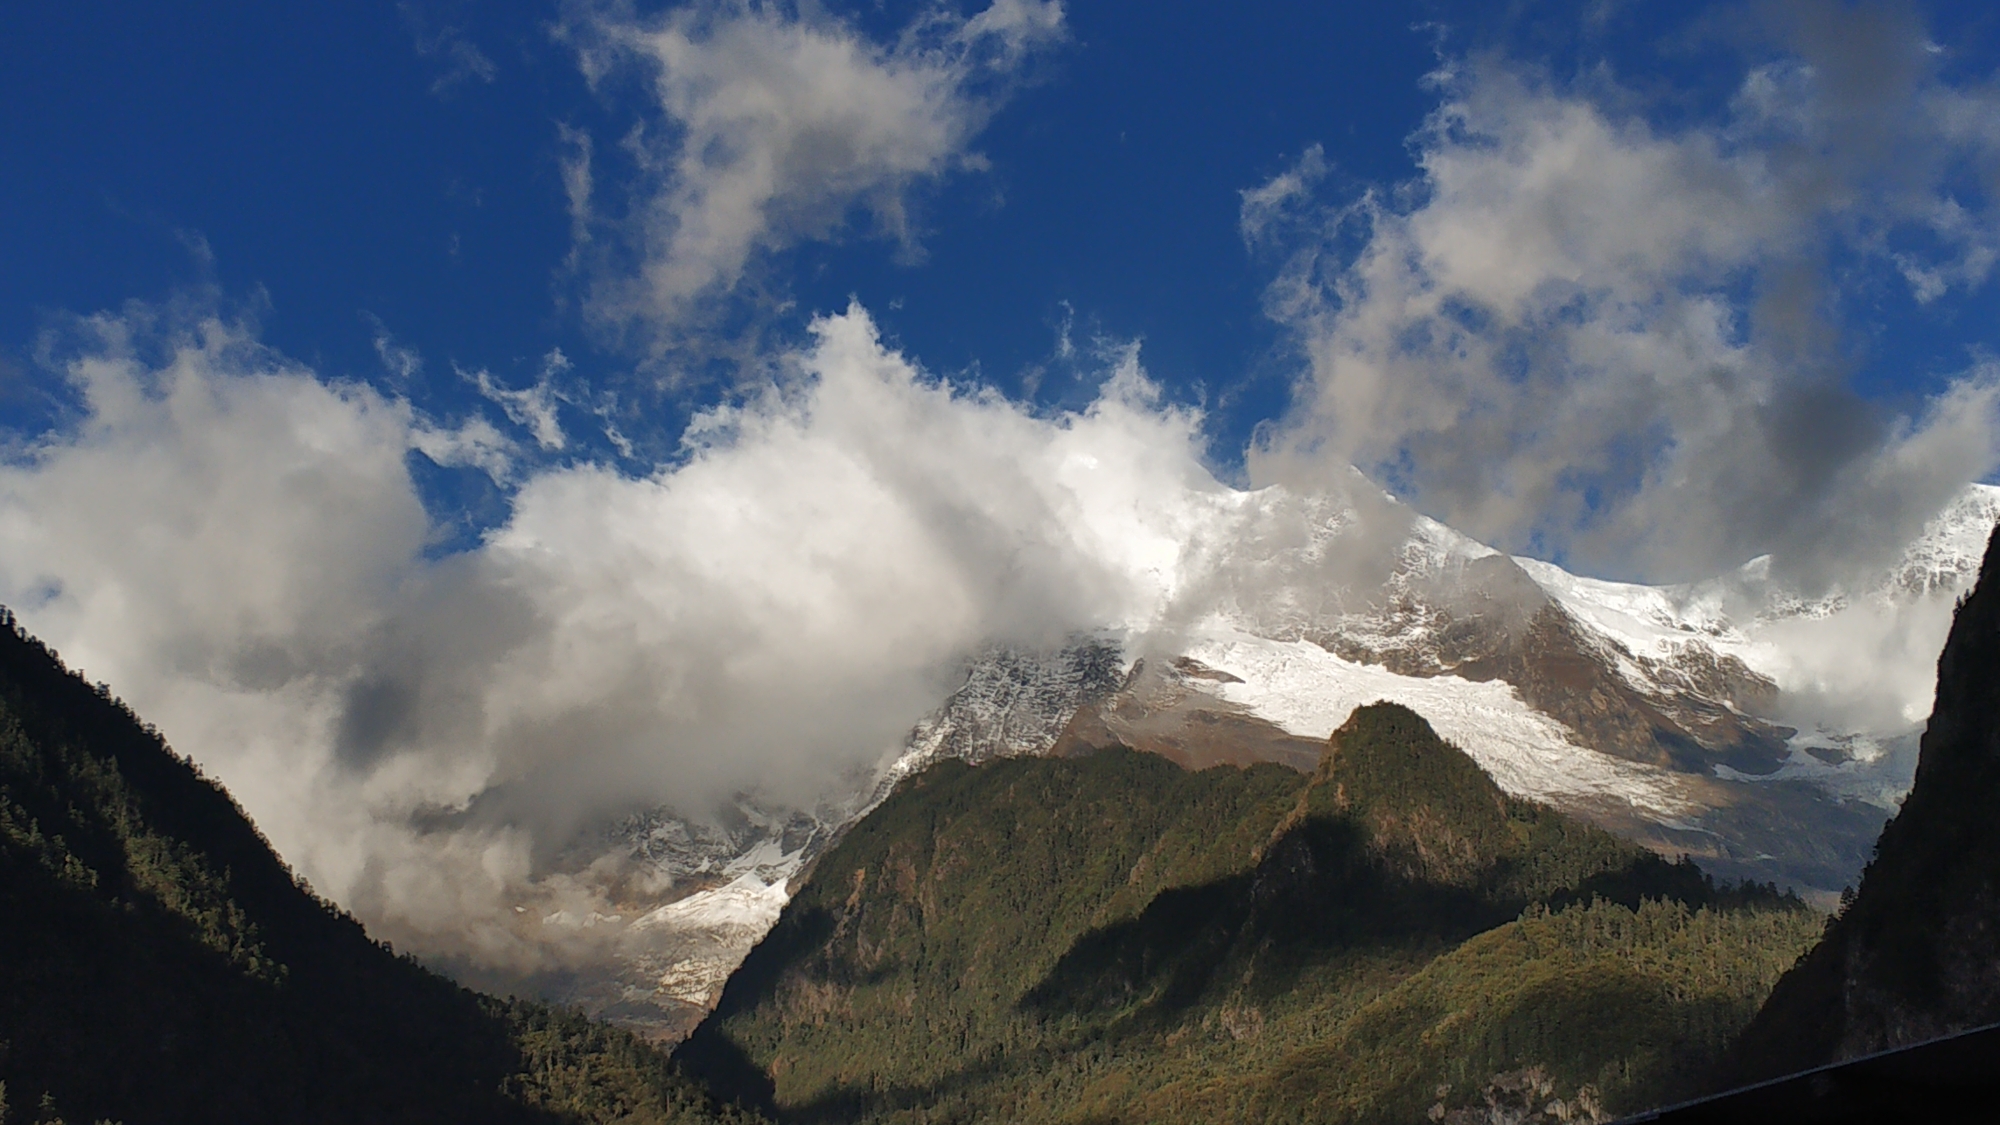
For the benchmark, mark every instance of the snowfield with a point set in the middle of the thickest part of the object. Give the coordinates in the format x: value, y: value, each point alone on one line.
x: 1309, y: 692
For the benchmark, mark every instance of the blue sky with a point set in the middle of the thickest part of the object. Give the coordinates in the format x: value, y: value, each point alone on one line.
x: 342, y: 169
x: 338, y: 172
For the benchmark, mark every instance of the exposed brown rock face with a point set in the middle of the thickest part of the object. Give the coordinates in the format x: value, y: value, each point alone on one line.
x: 1917, y: 953
x: 1568, y: 676
x: 1788, y: 830
x: 1495, y: 623
x: 1159, y: 711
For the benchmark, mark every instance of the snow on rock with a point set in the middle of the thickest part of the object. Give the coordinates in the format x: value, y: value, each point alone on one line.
x: 1852, y: 667
x: 686, y: 949
x: 746, y: 902
x: 1012, y: 702
x: 1945, y: 556
x: 1310, y: 692
x: 1646, y: 618
x: 1862, y: 767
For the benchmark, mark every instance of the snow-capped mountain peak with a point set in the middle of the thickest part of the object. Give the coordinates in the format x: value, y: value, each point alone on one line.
x: 1706, y: 718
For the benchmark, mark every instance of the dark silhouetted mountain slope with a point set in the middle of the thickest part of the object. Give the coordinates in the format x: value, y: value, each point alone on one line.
x: 158, y: 963
x: 1916, y: 954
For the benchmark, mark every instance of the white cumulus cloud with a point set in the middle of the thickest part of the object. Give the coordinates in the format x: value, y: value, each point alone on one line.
x: 772, y: 125
x: 237, y: 545
x: 1585, y: 335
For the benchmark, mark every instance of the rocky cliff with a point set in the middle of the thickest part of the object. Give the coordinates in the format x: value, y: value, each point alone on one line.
x: 1916, y: 953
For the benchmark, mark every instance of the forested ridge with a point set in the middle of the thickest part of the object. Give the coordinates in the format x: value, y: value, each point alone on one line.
x: 159, y: 963
x: 1112, y: 938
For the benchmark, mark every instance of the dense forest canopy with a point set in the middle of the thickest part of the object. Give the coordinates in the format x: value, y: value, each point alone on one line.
x: 1112, y: 938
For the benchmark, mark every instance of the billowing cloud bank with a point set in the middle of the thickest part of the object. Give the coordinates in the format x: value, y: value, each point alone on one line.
x: 1585, y: 335
x: 237, y: 545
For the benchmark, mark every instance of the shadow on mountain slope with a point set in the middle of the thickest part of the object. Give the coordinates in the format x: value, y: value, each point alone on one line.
x: 1037, y: 937
x: 158, y: 963
x: 1916, y: 954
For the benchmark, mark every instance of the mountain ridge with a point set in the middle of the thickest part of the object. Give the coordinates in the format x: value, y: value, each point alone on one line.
x: 992, y: 940
x: 159, y: 963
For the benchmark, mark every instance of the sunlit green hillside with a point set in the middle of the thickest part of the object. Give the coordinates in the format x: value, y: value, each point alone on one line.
x: 1111, y: 938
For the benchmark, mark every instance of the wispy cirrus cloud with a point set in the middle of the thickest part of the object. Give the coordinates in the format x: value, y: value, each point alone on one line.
x: 534, y: 408
x: 461, y: 58
x: 768, y: 126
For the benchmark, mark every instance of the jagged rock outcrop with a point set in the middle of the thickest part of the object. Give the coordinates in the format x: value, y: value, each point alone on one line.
x: 1014, y: 702
x: 1490, y: 620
